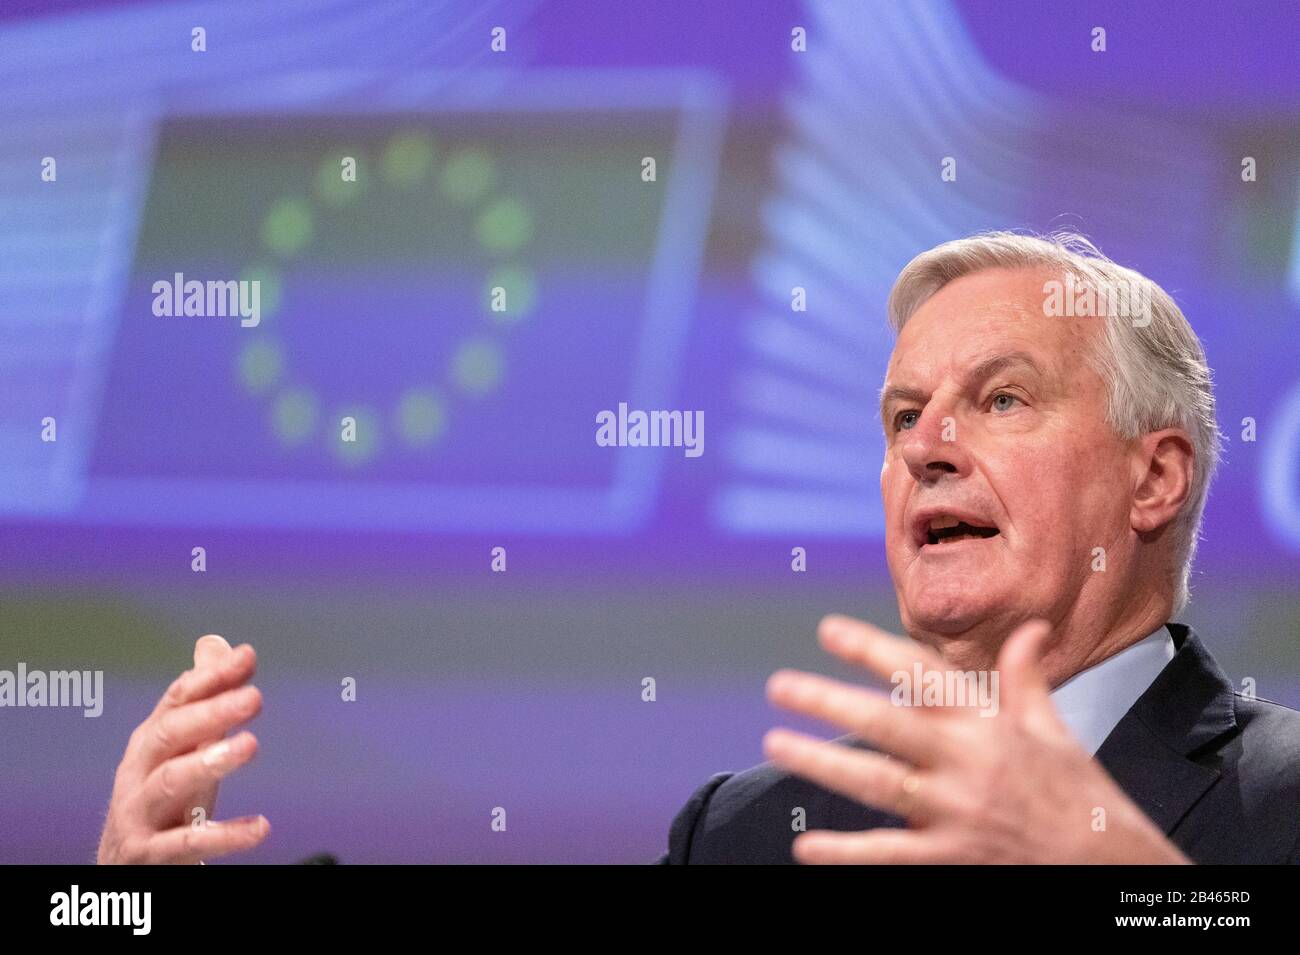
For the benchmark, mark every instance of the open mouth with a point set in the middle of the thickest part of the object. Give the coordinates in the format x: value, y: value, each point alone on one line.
x: 949, y: 529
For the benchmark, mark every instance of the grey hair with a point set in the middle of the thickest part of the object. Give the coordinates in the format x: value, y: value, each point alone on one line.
x: 1155, y: 370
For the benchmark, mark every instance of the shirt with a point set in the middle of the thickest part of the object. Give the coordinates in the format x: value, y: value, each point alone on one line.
x: 1093, y: 700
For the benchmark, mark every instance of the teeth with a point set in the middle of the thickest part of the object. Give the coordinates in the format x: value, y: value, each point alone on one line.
x: 939, y: 523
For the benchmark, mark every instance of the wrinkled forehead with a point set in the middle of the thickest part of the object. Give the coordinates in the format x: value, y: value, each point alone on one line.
x: 988, y: 314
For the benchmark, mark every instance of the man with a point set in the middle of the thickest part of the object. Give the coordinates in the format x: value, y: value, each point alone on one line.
x: 1045, y: 472
x: 1044, y: 478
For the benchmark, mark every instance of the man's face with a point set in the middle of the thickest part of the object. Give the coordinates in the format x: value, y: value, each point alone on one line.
x: 994, y: 418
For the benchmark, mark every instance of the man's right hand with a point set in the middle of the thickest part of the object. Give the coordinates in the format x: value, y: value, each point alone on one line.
x: 176, y: 758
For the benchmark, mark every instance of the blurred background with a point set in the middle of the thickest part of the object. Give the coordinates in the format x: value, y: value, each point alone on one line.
x: 522, y: 169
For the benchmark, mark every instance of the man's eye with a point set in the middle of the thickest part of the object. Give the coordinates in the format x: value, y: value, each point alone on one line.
x: 905, y: 420
x: 1003, y: 401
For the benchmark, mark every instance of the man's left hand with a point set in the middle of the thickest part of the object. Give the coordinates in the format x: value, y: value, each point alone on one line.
x: 1015, y: 787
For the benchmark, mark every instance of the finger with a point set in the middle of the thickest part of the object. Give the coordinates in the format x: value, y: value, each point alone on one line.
x: 879, y: 651
x: 200, y: 683
x: 181, y: 729
x: 869, y: 778
x: 211, y: 653
x: 873, y: 847
x: 1024, y: 683
x: 183, y: 782
x: 190, y: 844
x: 895, y: 729
x: 210, y: 650
x: 217, y: 669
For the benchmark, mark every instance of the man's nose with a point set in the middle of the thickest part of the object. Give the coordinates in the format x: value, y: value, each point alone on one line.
x: 933, y: 446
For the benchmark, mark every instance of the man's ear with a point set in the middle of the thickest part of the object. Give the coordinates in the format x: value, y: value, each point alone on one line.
x: 1163, y: 466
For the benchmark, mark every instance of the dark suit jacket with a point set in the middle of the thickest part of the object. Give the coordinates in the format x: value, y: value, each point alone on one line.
x: 1217, y: 771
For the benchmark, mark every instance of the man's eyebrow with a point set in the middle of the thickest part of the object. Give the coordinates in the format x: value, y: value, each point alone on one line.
x: 893, y: 393
x: 985, y: 369
x: 999, y: 363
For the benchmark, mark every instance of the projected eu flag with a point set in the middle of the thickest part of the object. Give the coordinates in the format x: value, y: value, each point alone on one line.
x: 461, y: 292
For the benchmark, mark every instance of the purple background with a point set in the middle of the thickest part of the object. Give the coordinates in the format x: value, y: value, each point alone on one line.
x: 522, y: 689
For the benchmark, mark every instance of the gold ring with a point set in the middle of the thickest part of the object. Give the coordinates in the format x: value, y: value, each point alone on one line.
x: 911, y: 785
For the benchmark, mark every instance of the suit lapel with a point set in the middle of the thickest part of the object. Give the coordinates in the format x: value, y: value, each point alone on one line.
x: 1188, y: 705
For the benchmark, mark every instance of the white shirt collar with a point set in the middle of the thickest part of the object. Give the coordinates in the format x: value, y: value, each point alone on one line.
x: 1092, y: 701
